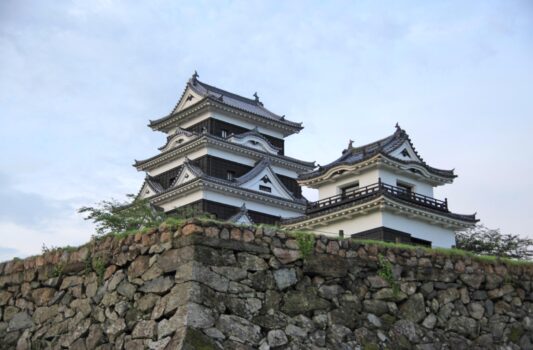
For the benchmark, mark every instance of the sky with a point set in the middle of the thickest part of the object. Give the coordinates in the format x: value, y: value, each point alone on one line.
x: 79, y: 81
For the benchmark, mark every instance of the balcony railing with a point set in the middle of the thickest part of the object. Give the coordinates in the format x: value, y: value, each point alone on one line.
x: 374, y: 190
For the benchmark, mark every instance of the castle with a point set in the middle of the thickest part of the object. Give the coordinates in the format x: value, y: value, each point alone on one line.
x: 225, y: 155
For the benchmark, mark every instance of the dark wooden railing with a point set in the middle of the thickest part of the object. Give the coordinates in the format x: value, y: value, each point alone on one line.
x: 375, y: 190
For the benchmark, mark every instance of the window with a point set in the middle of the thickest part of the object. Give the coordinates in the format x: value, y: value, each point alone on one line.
x: 230, y: 175
x: 349, y: 188
x: 404, y: 187
x: 265, y: 188
x: 224, y: 133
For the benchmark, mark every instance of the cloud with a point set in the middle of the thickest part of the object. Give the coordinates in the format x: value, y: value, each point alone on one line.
x: 7, y: 253
x: 29, y: 209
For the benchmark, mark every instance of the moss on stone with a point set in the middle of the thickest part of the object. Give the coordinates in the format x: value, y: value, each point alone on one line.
x: 516, y: 333
x: 196, y: 340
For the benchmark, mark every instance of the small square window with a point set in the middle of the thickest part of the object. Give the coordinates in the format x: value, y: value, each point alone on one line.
x: 265, y: 188
x: 230, y: 175
x: 404, y: 187
x: 350, y: 188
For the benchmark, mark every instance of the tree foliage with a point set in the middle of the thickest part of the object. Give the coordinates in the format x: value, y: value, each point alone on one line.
x: 486, y: 241
x: 118, y: 217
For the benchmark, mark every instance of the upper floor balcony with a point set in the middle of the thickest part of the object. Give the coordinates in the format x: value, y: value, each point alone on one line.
x: 375, y: 190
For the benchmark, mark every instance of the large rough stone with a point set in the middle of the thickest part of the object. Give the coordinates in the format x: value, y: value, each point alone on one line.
x: 414, y: 309
x: 80, y: 329
x: 326, y: 265
x: 197, y: 316
x: 4, y: 297
x: 95, y: 337
x: 430, y: 321
x: 144, y: 329
x: 20, y: 321
x: 139, y: 266
x: 42, y: 296
x: 114, y: 327
x: 240, y: 328
x: 194, y: 271
x: 464, y: 325
x: 126, y: 289
x: 171, y: 259
x: 472, y: 280
x: 448, y: 295
x: 300, y: 302
x: 377, y: 282
x: 231, y: 272
x: 287, y: 256
x: 277, y: 338
x: 42, y: 314
x: 159, y: 285
x: 285, y: 278
x: 71, y: 281
x: 272, y: 320
x: 476, y: 310
x: 251, y: 262
x: 378, y: 307
x: 330, y: 291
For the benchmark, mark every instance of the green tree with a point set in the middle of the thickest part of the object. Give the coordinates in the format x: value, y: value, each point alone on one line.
x: 486, y: 241
x: 113, y: 216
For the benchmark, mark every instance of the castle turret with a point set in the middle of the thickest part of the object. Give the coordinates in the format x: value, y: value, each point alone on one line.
x: 223, y: 153
x: 382, y: 190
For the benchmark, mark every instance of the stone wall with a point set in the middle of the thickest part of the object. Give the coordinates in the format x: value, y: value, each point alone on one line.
x: 207, y: 286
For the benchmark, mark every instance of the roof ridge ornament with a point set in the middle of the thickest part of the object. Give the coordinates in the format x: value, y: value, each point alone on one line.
x: 256, y: 97
x: 195, y: 77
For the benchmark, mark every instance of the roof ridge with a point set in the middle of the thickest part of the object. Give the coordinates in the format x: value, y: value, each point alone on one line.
x: 227, y: 93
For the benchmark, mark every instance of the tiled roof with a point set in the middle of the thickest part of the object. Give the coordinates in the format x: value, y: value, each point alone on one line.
x: 138, y: 163
x: 253, y: 106
x: 385, y: 146
x: 166, y: 180
x: 243, y: 211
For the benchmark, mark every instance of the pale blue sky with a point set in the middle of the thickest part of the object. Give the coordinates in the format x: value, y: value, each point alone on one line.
x: 80, y: 79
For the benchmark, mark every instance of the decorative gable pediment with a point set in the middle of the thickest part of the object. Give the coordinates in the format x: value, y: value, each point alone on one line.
x: 242, y: 217
x: 254, y: 141
x: 263, y: 179
x: 406, y: 152
x: 149, y: 189
x: 179, y: 137
x: 189, y: 98
x: 187, y: 174
x: 146, y: 191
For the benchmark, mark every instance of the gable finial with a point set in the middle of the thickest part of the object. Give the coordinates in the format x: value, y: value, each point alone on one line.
x: 256, y: 96
x: 195, y: 77
x: 350, y: 144
x: 397, y: 126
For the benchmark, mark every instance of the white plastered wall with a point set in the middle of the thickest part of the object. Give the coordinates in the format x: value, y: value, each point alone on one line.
x: 351, y: 226
x: 251, y: 204
x: 231, y: 120
x: 391, y: 178
x: 437, y: 235
x: 229, y: 200
x: 369, y: 177
x: 366, y: 178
